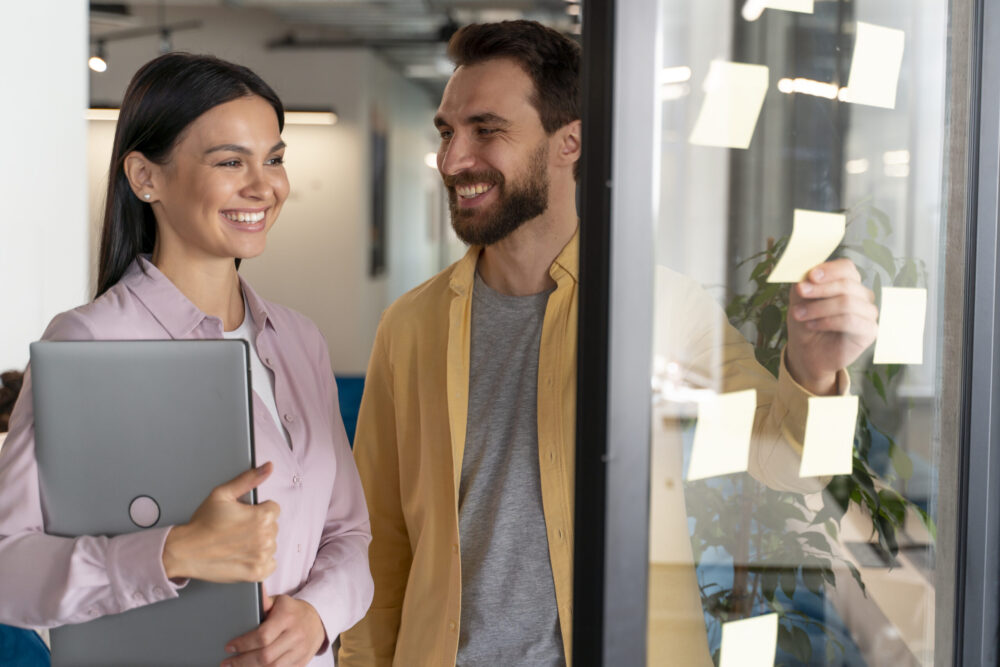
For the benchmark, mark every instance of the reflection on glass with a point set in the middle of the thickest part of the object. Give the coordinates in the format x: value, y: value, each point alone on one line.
x: 831, y: 529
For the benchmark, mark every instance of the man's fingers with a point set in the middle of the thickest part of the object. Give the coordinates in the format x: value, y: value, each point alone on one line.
x: 849, y: 324
x: 836, y: 269
x: 839, y: 305
x: 245, y: 482
x: 810, y: 290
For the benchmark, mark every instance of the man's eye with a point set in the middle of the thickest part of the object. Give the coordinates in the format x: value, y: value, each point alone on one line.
x: 445, y: 135
x: 486, y: 131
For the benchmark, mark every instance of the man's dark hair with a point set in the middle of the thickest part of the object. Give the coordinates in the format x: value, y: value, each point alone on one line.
x: 549, y: 58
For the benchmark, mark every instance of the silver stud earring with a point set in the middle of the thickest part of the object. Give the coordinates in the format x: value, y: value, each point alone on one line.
x: 147, y: 196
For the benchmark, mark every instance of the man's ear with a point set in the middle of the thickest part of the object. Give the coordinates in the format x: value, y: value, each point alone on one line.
x: 142, y: 175
x: 569, y: 143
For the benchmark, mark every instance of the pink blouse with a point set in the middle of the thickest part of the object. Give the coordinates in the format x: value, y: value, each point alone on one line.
x: 323, y: 536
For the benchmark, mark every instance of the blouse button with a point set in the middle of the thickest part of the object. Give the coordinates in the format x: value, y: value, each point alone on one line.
x: 288, y: 418
x: 157, y: 590
x: 296, y: 480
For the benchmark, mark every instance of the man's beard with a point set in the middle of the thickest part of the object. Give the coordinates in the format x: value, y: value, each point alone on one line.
x: 514, y: 207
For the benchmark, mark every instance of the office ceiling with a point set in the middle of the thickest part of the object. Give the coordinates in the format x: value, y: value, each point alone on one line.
x: 410, y: 34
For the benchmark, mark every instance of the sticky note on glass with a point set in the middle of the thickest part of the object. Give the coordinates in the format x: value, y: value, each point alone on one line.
x: 878, y: 56
x: 901, y: 326
x: 752, y: 642
x: 734, y: 96
x: 815, y: 236
x: 829, y: 443
x: 722, y: 435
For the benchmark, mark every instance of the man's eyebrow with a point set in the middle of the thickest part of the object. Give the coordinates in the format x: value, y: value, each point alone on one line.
x: 488, y: 118
x: 242, y: 150
x: 477, y: 119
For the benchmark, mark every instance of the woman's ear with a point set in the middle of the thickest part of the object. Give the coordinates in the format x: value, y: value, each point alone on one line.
x: 141, y: 174
x: 570, y: 142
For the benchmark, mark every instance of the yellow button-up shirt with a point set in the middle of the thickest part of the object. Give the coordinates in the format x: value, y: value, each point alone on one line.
x: 411, y: 436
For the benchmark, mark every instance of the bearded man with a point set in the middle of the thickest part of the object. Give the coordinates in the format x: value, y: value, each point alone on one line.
x: 465, y: 439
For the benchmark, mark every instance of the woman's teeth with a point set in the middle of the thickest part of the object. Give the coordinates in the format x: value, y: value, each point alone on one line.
x: 469, y: 191
x: 245, y: 217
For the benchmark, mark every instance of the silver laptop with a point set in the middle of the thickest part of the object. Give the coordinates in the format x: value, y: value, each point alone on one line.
x: 130, y: 435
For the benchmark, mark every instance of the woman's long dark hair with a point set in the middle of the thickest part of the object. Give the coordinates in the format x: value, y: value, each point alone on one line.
x: 165, y: 96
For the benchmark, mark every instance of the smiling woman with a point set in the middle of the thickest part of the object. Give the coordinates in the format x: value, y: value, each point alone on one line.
x: 196, y: 181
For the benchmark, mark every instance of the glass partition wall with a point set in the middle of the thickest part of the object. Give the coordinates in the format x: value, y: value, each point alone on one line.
x: 741, y: 520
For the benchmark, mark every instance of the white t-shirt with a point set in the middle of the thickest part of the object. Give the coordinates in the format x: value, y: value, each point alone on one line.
x: 260, y: 376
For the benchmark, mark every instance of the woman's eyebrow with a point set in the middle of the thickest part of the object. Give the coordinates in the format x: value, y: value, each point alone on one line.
x: 243, y: 150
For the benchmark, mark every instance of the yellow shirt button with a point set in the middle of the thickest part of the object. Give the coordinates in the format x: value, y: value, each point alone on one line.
x: 452, y: 626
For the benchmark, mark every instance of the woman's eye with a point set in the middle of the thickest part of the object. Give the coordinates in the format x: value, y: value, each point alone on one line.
x: 230, y: 163
x: 276, y: 161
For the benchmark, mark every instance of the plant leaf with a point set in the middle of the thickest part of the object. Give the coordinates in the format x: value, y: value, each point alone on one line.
x: 901, y: 461
x: 881, y: 255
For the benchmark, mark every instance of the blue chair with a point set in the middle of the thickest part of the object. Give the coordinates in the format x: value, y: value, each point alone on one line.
x: 22, y: 648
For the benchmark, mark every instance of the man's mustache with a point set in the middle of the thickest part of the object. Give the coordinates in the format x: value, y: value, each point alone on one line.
x: 489, y: 176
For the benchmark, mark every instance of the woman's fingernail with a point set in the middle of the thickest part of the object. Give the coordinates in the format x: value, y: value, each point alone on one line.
x: 805, y: 288
x: 818, y: 274
x: 230, y: 649
x: 800, y: 312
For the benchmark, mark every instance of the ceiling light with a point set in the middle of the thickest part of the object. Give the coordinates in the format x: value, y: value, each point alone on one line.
x: 858, y: 166
x: 670, y: 75
x: 808, y: 87
x: 98, y: 62
x: 752, y: 9
x: 102, y: 114
x: 311, y: 118
x: 896, y: 157
x: 573, y: 10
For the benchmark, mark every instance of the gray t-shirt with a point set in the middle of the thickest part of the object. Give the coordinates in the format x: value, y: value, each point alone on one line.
x: 509, y: 613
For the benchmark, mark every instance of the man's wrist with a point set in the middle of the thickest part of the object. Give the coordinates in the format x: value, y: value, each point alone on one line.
x: 824, y: 384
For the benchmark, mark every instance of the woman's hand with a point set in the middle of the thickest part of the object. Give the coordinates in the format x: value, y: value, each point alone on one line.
x: 289, y: 637
x: 226, y: 540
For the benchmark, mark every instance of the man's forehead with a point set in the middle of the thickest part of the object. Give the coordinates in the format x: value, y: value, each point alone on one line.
x: 498, y: 88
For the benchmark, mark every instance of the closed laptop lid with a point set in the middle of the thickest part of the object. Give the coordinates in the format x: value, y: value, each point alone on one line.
x: 131, y: 435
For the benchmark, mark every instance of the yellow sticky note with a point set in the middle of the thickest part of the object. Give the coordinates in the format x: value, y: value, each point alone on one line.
x: 800, y: 6
x: 815, y: 236
x: 722, y: 436
x: 735, y: 95
x: 901, y: 326
x: 878, y: 56
x: 829, y: 442
x: 752, y: 642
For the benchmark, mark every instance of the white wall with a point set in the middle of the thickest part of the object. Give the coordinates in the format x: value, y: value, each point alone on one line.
x: 43, y: 229
x: 317, y: 256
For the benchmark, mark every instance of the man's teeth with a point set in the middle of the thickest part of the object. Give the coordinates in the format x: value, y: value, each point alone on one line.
x: 472, y: 190
x: 245, y: 217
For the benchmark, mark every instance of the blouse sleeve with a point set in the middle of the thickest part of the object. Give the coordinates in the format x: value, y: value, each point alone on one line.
x: 46, y: 581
